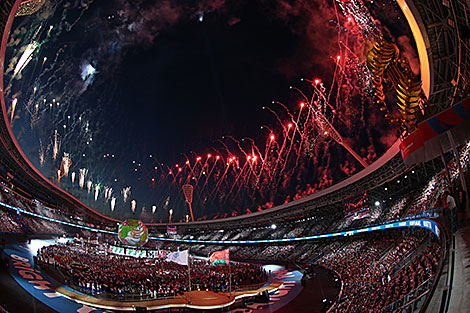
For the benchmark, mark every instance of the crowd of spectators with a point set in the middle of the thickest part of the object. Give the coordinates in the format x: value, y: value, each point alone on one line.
x: 8, y: 223
x: 377, y: 269
x: 16, y: 197
x: 388, y: 275
x: 96, y: 272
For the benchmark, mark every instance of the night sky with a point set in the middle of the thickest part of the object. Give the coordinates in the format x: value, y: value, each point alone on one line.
x: 129, y: 89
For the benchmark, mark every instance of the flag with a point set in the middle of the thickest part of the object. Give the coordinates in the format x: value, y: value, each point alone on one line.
x: 220, y: 257
x: 180, y: 257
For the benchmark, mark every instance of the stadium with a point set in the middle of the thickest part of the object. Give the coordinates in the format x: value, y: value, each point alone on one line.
x: 388, y: 234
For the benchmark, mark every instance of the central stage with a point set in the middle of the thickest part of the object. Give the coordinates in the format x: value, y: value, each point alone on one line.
x: 199, y: 299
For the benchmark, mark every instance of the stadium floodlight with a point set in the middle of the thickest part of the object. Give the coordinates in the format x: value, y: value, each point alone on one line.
x: 273, y: 226
x: 377, y: 203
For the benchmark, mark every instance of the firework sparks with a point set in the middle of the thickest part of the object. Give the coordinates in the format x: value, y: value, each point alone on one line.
x: 81, y: 177
x: 97, y: 191
x: 25, y: 58
x: 66, y: 163
x: 126, y: 192
x: 55, y: 145
x: 170, y: 215
x: 89, y: 184
x: 41, y: 154
x: 113, y: 203
x: 108, y: 192
x: 13, y: 107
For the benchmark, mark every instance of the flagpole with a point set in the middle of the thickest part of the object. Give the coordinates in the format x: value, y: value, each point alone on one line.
x: 189, y: 273
x: 230, y: 277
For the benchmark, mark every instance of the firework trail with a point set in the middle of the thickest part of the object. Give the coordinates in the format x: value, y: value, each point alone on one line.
x: 97, y: 191
x: 41, y: 154
x: 108, y: 192
x: 89, y: 184
x: 55, y: 145
x: 13, y: 107
x: 81, y: 177
x: 113, y: 203
x: 126, y: 192
x: 66, y: 163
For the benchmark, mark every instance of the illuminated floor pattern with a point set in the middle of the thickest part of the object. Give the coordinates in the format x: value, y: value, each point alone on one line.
x: 35, y: 281
x: 278, y: 299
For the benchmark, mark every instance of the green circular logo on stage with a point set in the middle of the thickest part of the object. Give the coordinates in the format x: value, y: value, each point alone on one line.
x: 133, y: 232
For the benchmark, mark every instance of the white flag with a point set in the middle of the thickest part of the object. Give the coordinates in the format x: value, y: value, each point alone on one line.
x: 180, y: 257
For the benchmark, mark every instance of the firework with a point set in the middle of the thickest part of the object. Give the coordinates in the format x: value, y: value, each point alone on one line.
x: 133, y: 204
x: 170, y: 212
x: 41, y: 154
x: 81, y: 177
x: 66, y: 163
x: 126, y: 192
x: 97, y: 191
x: 167, y: 202
x: 108, y: 191
x: 89, y: 184
x: 55, y: 145
x: 25, y: 58
x: 113, y: 203
x: 72, y: 177
x: 13, y: 107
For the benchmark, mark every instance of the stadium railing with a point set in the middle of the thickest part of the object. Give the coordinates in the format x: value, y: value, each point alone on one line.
x: 411, y: 301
